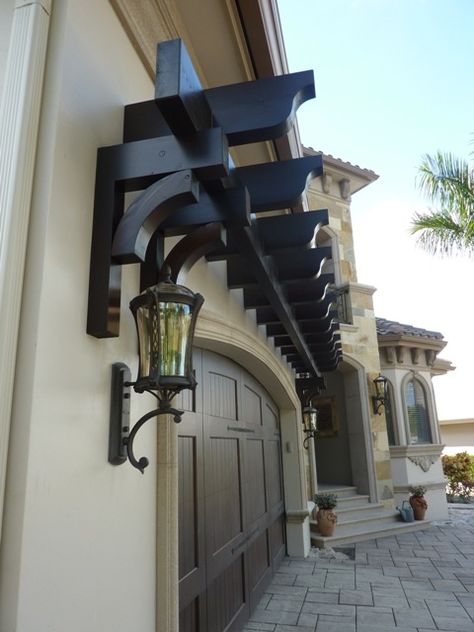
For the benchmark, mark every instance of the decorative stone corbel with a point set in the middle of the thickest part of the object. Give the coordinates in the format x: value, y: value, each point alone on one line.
x: 400, y: 355
x: 326, y: 182
x: 430, y: 356
x: 345, y: 188
x: 425, y: 461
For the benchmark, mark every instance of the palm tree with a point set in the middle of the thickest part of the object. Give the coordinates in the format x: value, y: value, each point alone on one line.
x: 448, y: 182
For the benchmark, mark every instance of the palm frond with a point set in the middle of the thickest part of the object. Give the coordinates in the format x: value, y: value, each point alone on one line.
x: 448, y: 182
x: 439, y: 233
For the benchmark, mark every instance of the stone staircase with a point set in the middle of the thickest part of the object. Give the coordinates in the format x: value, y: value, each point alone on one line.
x: 358, y: 520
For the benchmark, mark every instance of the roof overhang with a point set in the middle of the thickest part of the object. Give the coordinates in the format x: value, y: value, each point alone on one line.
x: 403, y: 340
x: 246, y: 43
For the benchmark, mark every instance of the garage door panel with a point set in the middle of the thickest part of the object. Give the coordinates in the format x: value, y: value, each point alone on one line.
x: 251, y: 406
x: 192, y: 558
x: 276, y: 536
x: 190, y: 618
x: 258, y: 559
x: 223, y: 492
x: 226, y: 598
x: 222, y: 396
x: 271, y: 418
x: 273, y: 473
x: 187, y: 505
x: 255, y: 476
x: 236, y: 457
x: 186, y: 401
x: 189, y: 400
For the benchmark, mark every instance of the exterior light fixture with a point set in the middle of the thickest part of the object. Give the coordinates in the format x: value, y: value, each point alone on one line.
x: 165, y: 317
x: 380, y: 398
x: 308, y: 387
x: 310, y: 424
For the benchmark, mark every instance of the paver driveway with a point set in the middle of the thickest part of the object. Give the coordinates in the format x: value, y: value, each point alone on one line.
x: 414, y: 582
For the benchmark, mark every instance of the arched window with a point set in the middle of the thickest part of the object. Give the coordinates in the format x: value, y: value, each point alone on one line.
x: 389, y: 417
x: 417, y: 411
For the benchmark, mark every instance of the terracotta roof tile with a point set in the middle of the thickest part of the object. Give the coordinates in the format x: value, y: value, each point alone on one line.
x: 390, y: 327
x: 311, y: 150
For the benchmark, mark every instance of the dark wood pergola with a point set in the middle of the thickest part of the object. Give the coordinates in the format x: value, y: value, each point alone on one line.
x: 176, y: 151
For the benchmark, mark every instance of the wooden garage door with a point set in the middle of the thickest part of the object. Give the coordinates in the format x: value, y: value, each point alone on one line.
x: 231, y: 536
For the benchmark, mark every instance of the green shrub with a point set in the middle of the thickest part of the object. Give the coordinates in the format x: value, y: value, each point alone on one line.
x: 459, y: 470
x: 418, y: 490
x: 325, y: 500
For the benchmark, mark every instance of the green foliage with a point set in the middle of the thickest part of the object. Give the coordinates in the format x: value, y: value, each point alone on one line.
x: 459, y: 470
x: 448, y: 182
x: 325, y: 500
x: 418, y: 490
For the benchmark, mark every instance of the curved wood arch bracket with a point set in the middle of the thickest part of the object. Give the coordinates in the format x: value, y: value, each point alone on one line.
x: 191, y: 248
x: 148, y: 211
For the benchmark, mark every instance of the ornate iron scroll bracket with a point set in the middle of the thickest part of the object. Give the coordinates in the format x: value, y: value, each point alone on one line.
x: 308, y: 388
x: 121, y: 438
x: 164, y: 409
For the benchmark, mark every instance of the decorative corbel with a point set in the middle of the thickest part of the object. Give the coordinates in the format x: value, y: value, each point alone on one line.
x: 326, y: 182
x: 345, y: 188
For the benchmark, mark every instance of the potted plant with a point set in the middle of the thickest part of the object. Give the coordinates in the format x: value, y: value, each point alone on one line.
x: 325, y: 516
x: 418, y: 502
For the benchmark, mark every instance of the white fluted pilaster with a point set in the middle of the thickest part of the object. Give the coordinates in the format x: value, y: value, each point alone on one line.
x: 19, y: 120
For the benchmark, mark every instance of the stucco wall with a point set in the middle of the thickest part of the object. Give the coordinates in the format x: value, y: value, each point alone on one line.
x: 79, y: 542
x: 415, y: 464
x: 72, y: 521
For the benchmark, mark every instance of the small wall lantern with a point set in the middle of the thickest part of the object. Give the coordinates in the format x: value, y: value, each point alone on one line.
x: 378, y: 400
x: 165, y: 317
x: 310, y: 424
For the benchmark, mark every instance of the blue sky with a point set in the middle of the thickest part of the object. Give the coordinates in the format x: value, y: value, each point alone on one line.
x: 394, y: 80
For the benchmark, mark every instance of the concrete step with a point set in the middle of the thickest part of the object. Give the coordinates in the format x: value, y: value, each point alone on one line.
x: 346, y: 502
x: 358, y: 511
x: 351, y: 534
x: 369, y: 520
x: 341, y: 492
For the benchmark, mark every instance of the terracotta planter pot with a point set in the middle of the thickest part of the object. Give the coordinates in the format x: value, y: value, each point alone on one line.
x: 419, y: 506
x: 327, y: 520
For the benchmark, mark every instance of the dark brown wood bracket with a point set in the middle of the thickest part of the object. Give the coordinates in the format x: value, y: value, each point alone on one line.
x: 176, y: 153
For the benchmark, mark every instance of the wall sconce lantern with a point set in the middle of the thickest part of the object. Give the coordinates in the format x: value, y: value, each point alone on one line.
x: 165, y: 317
x: 310, y: 424
x: 308, y: 388
x: 381, y: 389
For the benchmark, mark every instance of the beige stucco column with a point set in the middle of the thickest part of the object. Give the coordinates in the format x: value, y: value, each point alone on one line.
x: 19, y: 121
x: 294, y: 480
x: 167, y: 588
x: 312, y: 466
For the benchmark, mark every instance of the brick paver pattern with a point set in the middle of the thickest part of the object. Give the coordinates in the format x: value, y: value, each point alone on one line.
x: 409, y: 583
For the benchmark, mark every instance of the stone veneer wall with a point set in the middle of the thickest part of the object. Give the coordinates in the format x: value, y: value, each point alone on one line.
x: 359, y: 338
